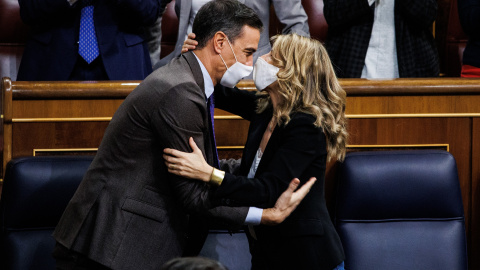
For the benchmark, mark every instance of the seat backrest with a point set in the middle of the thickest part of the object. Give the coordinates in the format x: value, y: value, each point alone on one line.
x: 316, y: 20
x: 456, y: 41
x: 401, y: 210
x: 35, y: 193
x: 169, y: 30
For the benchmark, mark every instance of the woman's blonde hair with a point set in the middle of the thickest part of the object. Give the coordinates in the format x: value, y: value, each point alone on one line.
x: 307, y: 83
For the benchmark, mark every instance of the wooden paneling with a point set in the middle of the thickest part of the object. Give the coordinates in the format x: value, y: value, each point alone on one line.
x: 474, y: 213
x: 55, y: 136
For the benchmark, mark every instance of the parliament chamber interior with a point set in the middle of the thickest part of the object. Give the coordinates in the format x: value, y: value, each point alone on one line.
x: 62, y: 124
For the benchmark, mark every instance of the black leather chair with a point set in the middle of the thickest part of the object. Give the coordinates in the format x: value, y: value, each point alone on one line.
x: 401, y: 210
x: 35, y: 193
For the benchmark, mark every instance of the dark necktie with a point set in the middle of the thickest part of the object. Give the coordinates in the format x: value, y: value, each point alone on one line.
x: 87, y: 43
x: 211, y: 108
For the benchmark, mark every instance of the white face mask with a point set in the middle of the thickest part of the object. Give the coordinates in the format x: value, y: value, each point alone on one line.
x: 264, y: 74
x: 235, y: 73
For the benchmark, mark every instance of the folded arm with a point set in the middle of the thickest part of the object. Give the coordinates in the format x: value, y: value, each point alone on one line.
x: 346, y: 13
x: 418, y: 12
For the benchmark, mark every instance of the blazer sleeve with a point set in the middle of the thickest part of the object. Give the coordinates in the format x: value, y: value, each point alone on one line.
x: 345, y: 13
x: 469, y: 13
x: 174, y: 122
x: 236, y: 101
x: 291, y: 159
x: 418, y: 12
x: 293, y: 16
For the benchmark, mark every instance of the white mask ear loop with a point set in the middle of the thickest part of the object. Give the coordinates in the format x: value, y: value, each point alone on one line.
x: 231, y: 48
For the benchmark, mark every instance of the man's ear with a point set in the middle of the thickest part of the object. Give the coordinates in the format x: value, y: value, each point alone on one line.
x: 219, y: 41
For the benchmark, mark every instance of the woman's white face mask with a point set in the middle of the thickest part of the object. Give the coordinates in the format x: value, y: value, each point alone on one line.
x: 235, y: 73
x: 264, y: 74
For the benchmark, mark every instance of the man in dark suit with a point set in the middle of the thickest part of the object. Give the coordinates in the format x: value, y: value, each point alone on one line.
x: 52, y: 52
x: 129, y: 212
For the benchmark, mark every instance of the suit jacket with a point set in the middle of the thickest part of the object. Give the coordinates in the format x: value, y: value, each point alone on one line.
x: 129, y: 212
x: 52, y: 49
x: 297, y: 149
x: 290, y: 13
x: 350, y: 24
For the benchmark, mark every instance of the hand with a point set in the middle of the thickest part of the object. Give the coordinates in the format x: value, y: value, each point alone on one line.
x: 190, y: 43
x: 190, y: 165
x: 287, y: 202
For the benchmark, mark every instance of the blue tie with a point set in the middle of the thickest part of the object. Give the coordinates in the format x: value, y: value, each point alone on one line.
x: 211, y: 109
x: 87, y: 43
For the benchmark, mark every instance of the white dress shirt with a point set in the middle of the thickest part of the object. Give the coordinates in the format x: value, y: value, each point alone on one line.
x: 381, y: 59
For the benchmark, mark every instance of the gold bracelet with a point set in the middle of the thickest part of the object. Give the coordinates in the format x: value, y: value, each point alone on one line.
x: 216, y: 177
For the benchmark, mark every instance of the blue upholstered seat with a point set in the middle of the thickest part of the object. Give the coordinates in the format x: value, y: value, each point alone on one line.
x: 401, y: 210
x: 35, y: 193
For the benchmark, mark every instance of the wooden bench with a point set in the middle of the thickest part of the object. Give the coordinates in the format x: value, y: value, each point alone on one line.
x: 69, y: 118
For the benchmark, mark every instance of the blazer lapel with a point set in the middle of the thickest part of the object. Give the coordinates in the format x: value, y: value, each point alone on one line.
x: 257, y: 128
x: 269, y: 152
x: 196, y: 70
x: 207, y: 134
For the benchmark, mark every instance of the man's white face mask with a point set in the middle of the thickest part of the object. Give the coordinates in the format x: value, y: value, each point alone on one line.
x: 235, y: 73
x: 264, y: 74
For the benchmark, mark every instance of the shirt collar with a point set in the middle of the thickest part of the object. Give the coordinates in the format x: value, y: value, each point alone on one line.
x: 206, y: 79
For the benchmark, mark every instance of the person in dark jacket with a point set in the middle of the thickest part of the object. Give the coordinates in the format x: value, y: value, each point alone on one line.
x: 382, y: 38
x: 113, y: 29
x: 469, y: 13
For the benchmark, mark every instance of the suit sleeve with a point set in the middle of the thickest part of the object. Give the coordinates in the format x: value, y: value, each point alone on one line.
x: 236, y: 101
x: 37, y: 11
x: 293, y: 156
x: 345, y: 13
x: 293, y: 16
x: 141, y: 13
x: 174, y: 122
x: 469, y: 13
x: 418, y: 12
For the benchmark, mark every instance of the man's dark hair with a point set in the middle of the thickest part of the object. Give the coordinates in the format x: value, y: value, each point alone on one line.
x: 228, y: 16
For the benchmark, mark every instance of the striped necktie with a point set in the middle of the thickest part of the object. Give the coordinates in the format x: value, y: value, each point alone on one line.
x: 87, y: 43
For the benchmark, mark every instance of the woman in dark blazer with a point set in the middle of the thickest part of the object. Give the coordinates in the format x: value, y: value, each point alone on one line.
x: 297, y: 124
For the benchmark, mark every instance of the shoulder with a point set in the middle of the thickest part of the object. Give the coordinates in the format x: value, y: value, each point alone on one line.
x: 300, y: 119
x: 302, y: 125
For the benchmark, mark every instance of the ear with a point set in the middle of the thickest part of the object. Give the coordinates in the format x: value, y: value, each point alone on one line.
x: 219, y: 41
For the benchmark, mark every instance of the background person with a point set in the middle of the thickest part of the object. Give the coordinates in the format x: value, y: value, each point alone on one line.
x: 108, y: 33
x: 290, y: 13
x: 469, y: 13
x: 382, y: 38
